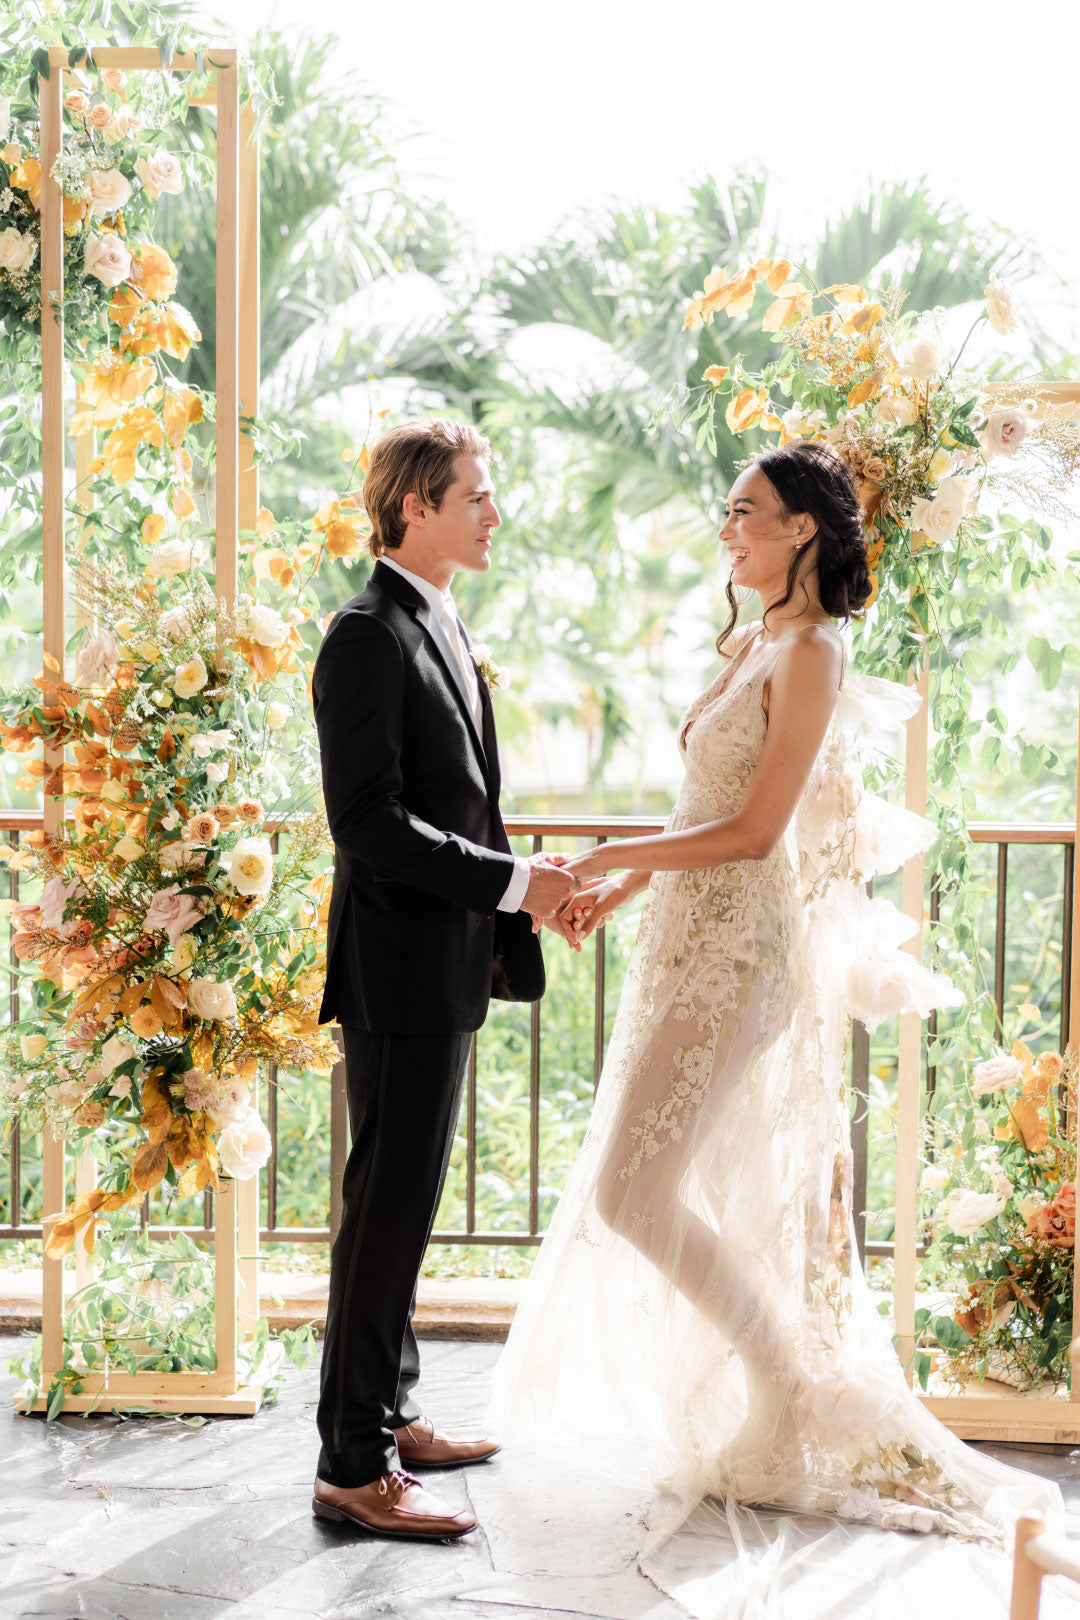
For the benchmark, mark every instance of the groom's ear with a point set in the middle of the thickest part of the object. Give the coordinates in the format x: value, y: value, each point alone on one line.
x: 413, y: 509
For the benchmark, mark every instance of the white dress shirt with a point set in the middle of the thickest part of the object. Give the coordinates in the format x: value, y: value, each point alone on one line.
x: 445, y: 618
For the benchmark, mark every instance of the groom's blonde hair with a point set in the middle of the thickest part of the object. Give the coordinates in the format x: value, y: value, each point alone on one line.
x: 414, y: 458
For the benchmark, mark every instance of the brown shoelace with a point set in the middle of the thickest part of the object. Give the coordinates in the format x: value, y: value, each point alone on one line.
x: 396, y: 1484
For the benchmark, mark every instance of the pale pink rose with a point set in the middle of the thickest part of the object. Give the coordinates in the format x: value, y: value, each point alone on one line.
x: 121, y: 1087
x: 160, y: 173
x: 109, y: 190
x: 244, y: 1146
x: 995, y: 1073
x: 172, y: 913
x: 54, y: 897
x: 98, y: 659
x: 108, y: 259
x: 1005, y: 431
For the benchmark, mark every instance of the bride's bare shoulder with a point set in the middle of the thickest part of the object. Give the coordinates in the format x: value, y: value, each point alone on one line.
x: 738, y: 638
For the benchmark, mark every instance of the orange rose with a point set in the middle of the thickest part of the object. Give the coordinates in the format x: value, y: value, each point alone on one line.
x: 1055, y: 1223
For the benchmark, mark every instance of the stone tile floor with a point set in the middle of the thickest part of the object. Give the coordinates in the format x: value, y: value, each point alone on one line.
x: 149, y: 1519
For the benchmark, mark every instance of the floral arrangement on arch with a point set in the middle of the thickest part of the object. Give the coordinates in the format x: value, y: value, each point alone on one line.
x: 174, y: 950
x: 920, y: 435
x: 1002, y: 1221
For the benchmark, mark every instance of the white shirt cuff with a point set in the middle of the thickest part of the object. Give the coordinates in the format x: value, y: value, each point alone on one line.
x: 515, y: 889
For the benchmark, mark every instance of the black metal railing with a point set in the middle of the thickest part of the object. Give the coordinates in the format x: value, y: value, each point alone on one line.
x: 538, y: 829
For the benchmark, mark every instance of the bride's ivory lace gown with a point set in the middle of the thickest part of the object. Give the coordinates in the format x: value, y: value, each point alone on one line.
x: 697, y: 1316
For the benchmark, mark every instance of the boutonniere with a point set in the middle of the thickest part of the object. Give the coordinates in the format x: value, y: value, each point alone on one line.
x: 495, y: 678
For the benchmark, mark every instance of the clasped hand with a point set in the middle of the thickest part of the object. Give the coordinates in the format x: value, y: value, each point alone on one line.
x: 581, y: 898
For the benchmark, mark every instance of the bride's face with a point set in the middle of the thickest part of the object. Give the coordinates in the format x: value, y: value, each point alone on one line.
x: 761, y: 541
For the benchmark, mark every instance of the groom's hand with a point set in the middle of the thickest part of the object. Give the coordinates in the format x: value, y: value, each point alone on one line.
x: 550, y: 886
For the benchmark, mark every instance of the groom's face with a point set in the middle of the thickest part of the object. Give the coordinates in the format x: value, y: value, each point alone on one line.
x: 460, y: 531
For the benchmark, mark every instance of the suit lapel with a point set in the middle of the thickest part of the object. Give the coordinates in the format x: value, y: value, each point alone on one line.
x: 389, y: 580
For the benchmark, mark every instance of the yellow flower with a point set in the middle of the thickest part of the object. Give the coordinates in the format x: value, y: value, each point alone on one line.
x: 745, y: 409
x: 715, y: 374
x: 343, y: 530
x: 694, y: 318
x: 127, y: 848
x: 181, y: 408
x: 140, y: 425
x: 26, y: 176
x: 152, y: 271
x: 792, y: 303
x: 940, y: 465
x: 153, y: 527
x: 146, y: 1023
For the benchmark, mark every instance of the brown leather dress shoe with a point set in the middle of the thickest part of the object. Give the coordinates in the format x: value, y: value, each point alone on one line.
x: 394, y: 1505
x: 420, y: 1445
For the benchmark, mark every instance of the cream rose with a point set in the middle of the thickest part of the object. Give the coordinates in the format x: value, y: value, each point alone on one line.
x: 114, y: 79
x: 174, y: 557
x: 244, y: 1146
x: 183, y: 953
x: 895, y: 410
x: 935, y: 1178
x: 1000, y: 311
x: 98, y: 659
x: 251, y: 866
x: 109, y: 190
x: 115, y: 1051
x: 940, y: 518
x: 965, y: 1212
x: 268, y: 628
x: 1005, y: 431
x: 211, y: 1000
x: 216, y: 773
x: 190, y: 678
x: 995, y: 1073
x: 161, y: 173
x: 173, y: 857
x: 277, y: 715
x: 122, y: 123
x: 16, y: 250
x: 33, y: 1047
x: 108, y: 259
x: 921, y: 357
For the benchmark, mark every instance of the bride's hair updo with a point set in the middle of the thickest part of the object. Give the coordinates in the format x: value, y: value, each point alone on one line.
x: 812, y: 478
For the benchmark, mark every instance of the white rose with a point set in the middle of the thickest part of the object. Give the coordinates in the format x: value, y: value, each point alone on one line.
x: 895, y: 410
x: 98, y: 659
x: 251, y: 866
x: 16, y: 250
x: 175, y: 623
x: 999, y: 306
x: 995, y: 1073
x: 276, y: 715
x: 940, y: 518
x: 190, y: 678
x: 1005, y: 431
x: 201, y: 744
x: 107, y: 258
x: 268, y: 628
x: 161, y: 173
x: 33, y: 1047
x: 211, y: 1000
x: 244, y: 1146
x: 109, y: 191
x: 934, y: 1178
x: 115, y: 1051
x: 965, y: 1212
x: 175, y: 557
x: 216, y: 772
x: 921, y: 357
x: 230, y: 1106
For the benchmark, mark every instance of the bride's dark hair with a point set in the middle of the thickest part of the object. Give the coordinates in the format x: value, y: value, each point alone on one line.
x: 812, y: 478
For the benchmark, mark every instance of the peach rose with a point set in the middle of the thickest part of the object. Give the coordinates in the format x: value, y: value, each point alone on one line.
x: 76, y: 102
x: 250, y: 810
x: 202, y: 828
x: 98, y: 115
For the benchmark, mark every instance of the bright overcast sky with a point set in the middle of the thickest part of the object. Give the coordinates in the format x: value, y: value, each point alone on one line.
x: 527, y: 113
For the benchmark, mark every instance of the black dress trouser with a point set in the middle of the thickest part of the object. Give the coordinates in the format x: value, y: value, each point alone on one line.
x: 404, y: 1098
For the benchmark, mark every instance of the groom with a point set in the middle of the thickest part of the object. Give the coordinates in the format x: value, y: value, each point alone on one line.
x: 429, y: 917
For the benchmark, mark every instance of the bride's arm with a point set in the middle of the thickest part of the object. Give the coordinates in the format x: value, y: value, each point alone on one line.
x: 802, y: 694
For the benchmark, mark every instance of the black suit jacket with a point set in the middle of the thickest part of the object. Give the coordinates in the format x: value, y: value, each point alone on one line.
x: 415, y: 943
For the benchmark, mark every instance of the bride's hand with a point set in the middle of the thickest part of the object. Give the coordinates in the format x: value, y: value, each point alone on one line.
x: 592, y: 864
x: 588, y: 909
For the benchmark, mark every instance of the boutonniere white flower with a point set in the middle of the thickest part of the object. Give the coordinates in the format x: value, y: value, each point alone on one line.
x: 496, y: 678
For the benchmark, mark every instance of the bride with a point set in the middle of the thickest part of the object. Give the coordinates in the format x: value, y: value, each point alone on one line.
x: 697, y: 1326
